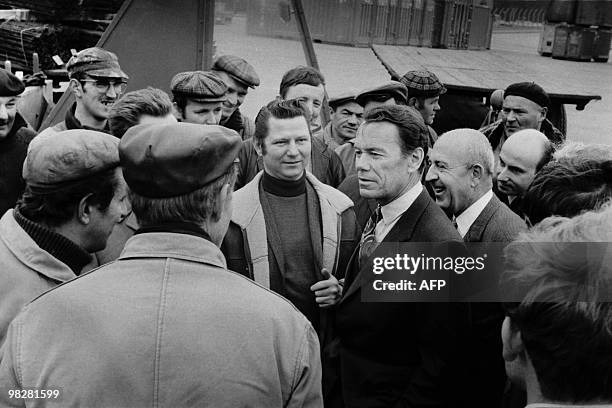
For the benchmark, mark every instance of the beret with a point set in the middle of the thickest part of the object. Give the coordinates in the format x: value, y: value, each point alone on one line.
x: 96, y: 61
x: 238, y: 69
x: 10, y: 85
x: 529, y: 90
x: 169, y: 160
x: 422, y: 83
x: 390, y: 89
x: 60, y: 159
x: 342, y: 98
x: 201, y: 85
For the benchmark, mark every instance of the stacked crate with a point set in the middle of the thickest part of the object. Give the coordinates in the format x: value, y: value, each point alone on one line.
x: 577, y: 30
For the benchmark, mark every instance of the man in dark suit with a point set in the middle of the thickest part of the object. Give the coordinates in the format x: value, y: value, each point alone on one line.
x: 461, y: 174
x: 396, y: 354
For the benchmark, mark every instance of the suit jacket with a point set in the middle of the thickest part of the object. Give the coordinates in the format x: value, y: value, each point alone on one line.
x: 399, y: 354
x: 486, y: 370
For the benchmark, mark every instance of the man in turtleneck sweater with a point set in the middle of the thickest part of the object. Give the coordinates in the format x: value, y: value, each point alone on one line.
x: 74, y: 196
x: 290, y: 232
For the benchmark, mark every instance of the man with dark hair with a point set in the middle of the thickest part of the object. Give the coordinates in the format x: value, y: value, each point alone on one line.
x: 521, y: 157
x: 557, y: 334
x: 307, y: 85
x: 96, y: 80
x: 567, y: 188
x: 290, y: 232
x: 166, y: 323
x: 198, y: 97
x: 15, y: 135
x: 239, y: 76
x: 149, y: 105
x: 74, y: 196
x: 395, y: 354
x: 143, y: 106
x: 525, y: 107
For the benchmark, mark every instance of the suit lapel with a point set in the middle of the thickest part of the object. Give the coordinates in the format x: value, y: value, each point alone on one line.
x: 402, y: 231
x: 476, y: 230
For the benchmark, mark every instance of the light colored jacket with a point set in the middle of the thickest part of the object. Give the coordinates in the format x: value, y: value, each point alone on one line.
x: 26, y: 270
x: 248, y: 215
x: 166, y: 325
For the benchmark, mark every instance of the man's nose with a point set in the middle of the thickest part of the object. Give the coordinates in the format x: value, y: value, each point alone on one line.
x: 3, y: 112
x: 432, y: 174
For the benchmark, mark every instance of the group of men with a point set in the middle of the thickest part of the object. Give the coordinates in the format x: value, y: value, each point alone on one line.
x: 168, y: 250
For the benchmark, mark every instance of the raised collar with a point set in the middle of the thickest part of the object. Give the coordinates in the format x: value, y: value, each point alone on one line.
x: 73, y: 123
x: 393, y: 210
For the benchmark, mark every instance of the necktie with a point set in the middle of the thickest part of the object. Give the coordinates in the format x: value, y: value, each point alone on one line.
x: 368, y: 242
x: 454, y: 221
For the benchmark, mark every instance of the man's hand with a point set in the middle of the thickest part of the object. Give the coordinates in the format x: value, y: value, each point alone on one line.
x: 328, y: 291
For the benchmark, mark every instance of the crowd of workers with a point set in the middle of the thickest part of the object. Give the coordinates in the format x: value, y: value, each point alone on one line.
x: 167, y: 250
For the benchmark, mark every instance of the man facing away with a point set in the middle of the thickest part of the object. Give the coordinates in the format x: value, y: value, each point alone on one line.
x: 74, y: 196
x: 96, y: 80
x: 167, y: 324
x: 557, y: 334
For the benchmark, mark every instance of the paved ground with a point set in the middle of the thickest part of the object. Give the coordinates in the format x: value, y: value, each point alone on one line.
x: 358, y: 67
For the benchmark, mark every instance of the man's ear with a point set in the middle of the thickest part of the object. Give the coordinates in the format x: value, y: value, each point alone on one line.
x: 477, y: 172
x: 177, y: 112
x: 512, y: 340
x: 414, y: 102
x: 76, y: 87
x: 258, y: 148
x: 84, y: 210
x: 416, y: 158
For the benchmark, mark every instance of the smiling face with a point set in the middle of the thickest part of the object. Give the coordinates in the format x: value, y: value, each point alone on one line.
x: 96, y: 96
x: 236, y: 92
x: 520, y: 113
x: 346, y: 120
x: 384, y: 171
x: 450, y: 178
x: 8, y: 110
x: 286, y: 148
x: 428, y: 107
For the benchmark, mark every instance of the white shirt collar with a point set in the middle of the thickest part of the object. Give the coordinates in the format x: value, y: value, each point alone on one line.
x: 392, y: 211
x: 467, y: 217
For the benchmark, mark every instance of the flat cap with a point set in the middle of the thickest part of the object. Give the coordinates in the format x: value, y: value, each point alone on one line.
x: 204, y: 86
x: 422, y: 83
x: 96, y: 61
x: 238, y: 69
x: 10, y: 85
x: 390, y: 89
x: 529, y: 90
x: 169, y: 160
x: 60, y: 159
x: 342, y: 98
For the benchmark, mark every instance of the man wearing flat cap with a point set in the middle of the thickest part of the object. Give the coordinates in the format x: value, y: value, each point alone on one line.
x: 339, y: 134
x: 97, y: 81
x: 74, y: 196
x: 198, y: 97
x: 424, y: 90
x: 15, y: 135
x: 167, y: 323
x: 525, y: 107
x: 388, y: 93
x: 239, y: 76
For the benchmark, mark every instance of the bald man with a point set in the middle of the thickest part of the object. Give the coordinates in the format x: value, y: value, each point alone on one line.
x: 521, y: 157
x: 461, y: 174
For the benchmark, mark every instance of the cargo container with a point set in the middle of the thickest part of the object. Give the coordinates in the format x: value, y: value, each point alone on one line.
x: 559, y: 47
x: 601, y: 48
x: 580, y: 43
x: 547, y: 36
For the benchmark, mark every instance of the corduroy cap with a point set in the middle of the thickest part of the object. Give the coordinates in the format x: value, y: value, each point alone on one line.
x: 529, y: 90
x: 342, y: 98
x: 96, y: 61
x: 60, y: 159
x: 423, y: 84
x: 238, y: 69
x: 169, y: 160
x: 204, y: 86
x: 390, y: 89
x: 10, y: 85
